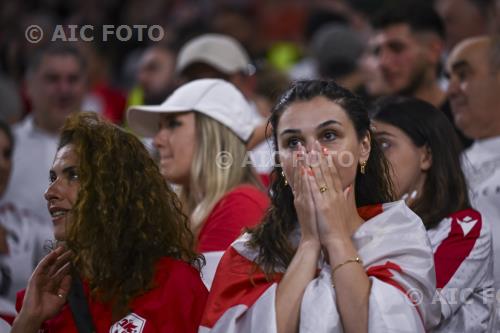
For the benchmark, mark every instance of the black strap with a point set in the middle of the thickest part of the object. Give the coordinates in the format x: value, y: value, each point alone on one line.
x: 79, y: 306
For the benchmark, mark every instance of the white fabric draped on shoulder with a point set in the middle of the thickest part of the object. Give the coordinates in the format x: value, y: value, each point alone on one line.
x: 397, y: 257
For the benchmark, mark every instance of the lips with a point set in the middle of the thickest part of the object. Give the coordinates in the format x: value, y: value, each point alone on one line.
x: 457, y: 105
x: 58, y: 212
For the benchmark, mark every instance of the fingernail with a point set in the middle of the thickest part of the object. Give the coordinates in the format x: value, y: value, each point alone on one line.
x: 414, y: 194
x: 325, y: 151
x: 405, y: 196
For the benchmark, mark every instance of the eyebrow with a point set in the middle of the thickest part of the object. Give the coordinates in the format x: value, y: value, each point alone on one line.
x: 384, y: 133
x: 323, y: 124
x: 459, y: 64
x: 66, y: 169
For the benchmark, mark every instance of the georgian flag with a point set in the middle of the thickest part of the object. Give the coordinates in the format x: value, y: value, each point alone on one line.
x: 397, y: 257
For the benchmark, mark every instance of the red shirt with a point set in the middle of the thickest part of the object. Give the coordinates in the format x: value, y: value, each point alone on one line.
x: 243, y: 207
x: 175, y: 305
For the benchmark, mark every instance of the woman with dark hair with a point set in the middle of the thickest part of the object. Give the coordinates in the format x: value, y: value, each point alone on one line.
x: 424, y: 152
x: 130, y: 242
x: 332, y: 254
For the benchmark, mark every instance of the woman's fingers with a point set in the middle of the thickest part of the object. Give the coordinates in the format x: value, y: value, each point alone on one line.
x: 46, y: 264
x: 329, y: 178
x: 64, y: 287
x: 61, y: 273
x: 296, y: 173
x: 325, y: 163
x: 60, y: 261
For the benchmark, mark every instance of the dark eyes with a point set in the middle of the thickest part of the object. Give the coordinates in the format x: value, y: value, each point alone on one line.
x: 173, y: 123
x: 292, y: 142
x: 170, y: 123
x: 384, y: 144
x: 71, y: 175
x: 326, y: 136
x: 397, y: 47
x: 329, y: 135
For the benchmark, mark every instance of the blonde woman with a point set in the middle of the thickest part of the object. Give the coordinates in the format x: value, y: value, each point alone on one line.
x: 200, y: 132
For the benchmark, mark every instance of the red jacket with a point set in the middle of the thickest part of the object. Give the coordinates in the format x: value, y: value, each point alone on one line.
x: 175, y: 305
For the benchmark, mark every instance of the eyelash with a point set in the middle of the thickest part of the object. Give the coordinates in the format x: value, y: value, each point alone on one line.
x: 328, y: 133
x: 72, y: 175
x: 384, y: 144
x: 292, y: 141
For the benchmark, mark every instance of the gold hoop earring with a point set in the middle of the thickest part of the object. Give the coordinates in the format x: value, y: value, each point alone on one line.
x: 363, y: 167
x: 284, y: 178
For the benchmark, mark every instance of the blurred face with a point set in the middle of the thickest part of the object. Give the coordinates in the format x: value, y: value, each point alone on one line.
x: 323, y: 120
x: 462, y: 19
x: 56, y: 89
x: 64, y: 184
x: 401, y: 58
x: 176, y: 143
x: 409, y: 162
x: 5, y: 161
x: 155, y: 74
x: 474, y: 89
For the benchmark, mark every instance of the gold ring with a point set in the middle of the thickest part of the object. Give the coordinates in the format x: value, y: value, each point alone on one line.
x: 323, y: 189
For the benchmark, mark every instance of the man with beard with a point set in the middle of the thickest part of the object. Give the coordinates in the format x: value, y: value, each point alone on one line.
x: 408, y: 43
x: 155, y: 75
x: 56, y: 84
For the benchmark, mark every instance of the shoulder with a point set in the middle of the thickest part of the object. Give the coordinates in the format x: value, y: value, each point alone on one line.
x: 176, y: 284
x: 464, y: 222
x: 248, y: 193
x: 173, y: 276
x: 464, y: 227
x: 245, y: 199
x: 171, y: 269
x: 394, y: 217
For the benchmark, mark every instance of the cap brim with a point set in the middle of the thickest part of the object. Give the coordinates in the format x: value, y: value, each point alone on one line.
x: 144, y: 119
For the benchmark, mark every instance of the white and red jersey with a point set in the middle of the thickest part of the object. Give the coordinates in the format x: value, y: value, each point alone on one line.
x: 463, y: 257
x: 398, y: 259
x: 26, y: 236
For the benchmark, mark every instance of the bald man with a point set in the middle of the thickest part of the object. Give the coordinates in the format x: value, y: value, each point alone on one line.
x: 474, y: 92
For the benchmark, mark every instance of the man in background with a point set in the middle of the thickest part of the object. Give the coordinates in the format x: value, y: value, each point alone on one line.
x: 474, y: 92
x: 56, y: 86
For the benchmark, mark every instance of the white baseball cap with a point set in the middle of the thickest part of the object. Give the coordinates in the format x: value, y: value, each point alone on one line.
x: 222, y: 52
x: 215, y: 98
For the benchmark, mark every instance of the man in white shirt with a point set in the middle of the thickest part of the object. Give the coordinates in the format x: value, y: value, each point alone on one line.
x: 474, y: 92
x: 56, y: 85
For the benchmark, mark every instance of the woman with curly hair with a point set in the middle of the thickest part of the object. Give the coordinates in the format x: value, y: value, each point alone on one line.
x: 200, y: 132
x: 333, y: 254
x: 126, y: 238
